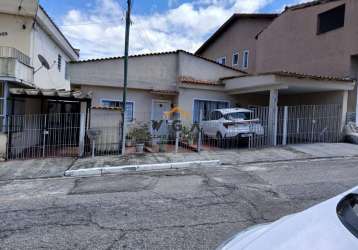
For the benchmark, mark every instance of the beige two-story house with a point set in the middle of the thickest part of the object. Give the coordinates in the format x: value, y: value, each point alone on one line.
x: 315, y: 38
x: 234, y: 43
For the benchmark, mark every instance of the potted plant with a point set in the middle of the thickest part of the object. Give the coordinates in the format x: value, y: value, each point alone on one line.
x: 140, y: 134
x: 187, y: 135
x: 162, y: 143
x: 129, y: 141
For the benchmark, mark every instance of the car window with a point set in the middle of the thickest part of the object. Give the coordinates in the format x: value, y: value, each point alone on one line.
x: 347, y: 211
x: 238, y: 115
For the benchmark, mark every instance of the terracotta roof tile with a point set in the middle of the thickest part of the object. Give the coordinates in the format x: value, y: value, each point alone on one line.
x: 190, y: 80
x: 159, y: 54
x: 296, y: 75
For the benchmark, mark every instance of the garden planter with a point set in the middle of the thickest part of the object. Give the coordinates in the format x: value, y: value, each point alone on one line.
x: 139, y: 148
x: 161, y: 148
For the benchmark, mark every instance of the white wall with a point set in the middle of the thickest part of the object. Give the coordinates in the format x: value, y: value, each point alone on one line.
x: 17, y: 37
x: 44, y: 45
x: 142, y: 99
x: 144, y: 72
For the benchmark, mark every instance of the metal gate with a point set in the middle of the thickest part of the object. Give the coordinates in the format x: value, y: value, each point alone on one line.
x: 298, y: 124
x: 43, y: 135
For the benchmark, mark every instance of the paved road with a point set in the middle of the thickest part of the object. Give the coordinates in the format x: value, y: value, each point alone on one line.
x: 192, y: 209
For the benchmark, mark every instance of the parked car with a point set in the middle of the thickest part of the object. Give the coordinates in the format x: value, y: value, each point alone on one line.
x: 231, y: 123
x: 330, y: 225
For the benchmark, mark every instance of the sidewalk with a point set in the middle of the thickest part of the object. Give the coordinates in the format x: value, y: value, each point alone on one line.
x: 226, y: 157
x: 48, y: 168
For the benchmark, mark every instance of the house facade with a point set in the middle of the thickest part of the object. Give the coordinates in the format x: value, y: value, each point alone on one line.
x: 156, y: 83
x: 234, y: 43
x: 34, y: 79
x: 315, y: 38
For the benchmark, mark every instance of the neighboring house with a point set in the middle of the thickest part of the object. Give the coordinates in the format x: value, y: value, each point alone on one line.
x: 157, y: 82
x: 234, y: 43
x: 315, y: 38
x: 34, y: 79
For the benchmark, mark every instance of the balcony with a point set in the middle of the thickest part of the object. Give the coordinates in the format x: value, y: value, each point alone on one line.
x: 15, y: 66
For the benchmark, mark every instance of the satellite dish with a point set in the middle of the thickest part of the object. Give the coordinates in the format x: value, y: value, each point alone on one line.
x: 44, y: 62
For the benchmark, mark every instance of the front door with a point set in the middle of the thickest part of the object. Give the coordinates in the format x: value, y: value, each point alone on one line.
x: 159, y: 118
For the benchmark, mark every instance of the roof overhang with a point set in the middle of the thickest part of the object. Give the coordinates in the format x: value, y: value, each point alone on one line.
x: 50, y: 94
x: 285, y: 83
x: 49, y: 26
x: 19, y: 8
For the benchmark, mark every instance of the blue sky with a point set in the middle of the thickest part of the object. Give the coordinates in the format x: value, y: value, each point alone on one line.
x: 97, y: 26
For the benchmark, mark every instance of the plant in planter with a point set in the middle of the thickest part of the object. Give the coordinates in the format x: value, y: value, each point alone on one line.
x: 187, y: 135
x: 129, y: 141
x: 162, y: 144
x: 140, y: 135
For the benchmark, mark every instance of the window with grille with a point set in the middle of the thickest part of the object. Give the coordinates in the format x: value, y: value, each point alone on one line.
x: 331, y: 20
x: 118, y: 104
x: 59, y: 62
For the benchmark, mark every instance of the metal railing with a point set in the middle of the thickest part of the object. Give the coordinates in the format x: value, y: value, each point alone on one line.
x: 350, y: 117
x: 59, y: 135
x: 43, y: 135
x: 9, y: 52
x: 10, y: 67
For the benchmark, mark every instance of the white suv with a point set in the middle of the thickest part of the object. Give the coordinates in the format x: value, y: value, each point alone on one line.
x: 230, y: 123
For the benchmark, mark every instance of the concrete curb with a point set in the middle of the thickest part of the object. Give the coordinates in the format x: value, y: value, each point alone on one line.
x: 138, y: 168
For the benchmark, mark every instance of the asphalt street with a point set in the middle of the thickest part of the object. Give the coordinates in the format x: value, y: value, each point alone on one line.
x: 188, y: 209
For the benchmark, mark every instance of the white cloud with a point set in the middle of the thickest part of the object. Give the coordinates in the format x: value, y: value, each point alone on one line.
x: 186, y: 26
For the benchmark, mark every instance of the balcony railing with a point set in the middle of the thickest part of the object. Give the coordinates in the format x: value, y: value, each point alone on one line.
x: 8, y: 52
x: 15, y: 65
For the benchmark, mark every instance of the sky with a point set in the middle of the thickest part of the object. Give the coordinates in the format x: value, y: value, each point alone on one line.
x: 97, y: 27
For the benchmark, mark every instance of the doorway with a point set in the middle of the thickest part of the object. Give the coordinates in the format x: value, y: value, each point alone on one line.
x: 159, y: 107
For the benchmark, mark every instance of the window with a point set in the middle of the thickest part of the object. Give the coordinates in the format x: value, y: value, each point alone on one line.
x: 67, y: 74
x: 238, y: 115
x: 59, y: 62
x: 331, y: 20
x: 216, y: 115
x: 118, y: 104
x: 245, y: 59
x: 221, y: 60
x: 205, y: 107
x: 235, y: 59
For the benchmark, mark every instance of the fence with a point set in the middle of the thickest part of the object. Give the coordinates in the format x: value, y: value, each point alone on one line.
x: 143, y: 135
x: 309, y: 124
x: 262, y: 127
x: 350, y: 117
x: 43, y: 135
x: 60, y: 135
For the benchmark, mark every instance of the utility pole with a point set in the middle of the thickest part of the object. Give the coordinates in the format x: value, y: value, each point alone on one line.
x: 125, y: 81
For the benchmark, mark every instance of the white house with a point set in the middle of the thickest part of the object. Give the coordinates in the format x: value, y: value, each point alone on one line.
x: 34, y: 58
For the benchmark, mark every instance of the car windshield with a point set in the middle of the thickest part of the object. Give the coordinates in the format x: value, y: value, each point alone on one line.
x: 238, y: 115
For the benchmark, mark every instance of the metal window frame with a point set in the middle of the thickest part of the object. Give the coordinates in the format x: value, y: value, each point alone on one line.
x: 120, y: 102
x: 245, y: 58
x: 238, y: 58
